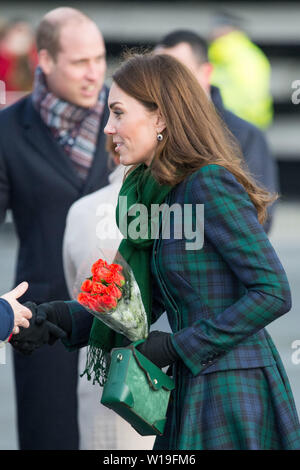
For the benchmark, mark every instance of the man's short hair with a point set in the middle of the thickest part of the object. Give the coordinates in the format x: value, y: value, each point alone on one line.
x: 49, y: 29
x: 47, y: 37
x: 197, y: 43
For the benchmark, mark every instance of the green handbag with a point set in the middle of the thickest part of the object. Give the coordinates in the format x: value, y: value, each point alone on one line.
x: 137, y: 390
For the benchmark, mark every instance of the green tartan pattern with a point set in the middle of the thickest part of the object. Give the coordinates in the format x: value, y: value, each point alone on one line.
x: 242, y: 409
x: 218, y: 300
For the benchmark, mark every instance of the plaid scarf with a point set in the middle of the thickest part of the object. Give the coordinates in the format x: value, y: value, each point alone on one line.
x: 73, y: 127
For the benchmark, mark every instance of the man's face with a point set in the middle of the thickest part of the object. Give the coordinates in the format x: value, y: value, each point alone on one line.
x: 184, y: 53
x: 77, y: 74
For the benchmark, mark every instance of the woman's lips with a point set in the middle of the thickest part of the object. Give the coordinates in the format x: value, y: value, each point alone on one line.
x: 118, y: 145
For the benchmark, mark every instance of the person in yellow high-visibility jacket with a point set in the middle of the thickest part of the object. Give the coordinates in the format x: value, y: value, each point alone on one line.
x: 242, y: 72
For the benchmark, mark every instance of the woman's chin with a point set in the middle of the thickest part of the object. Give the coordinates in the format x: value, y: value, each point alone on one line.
x: 125, y: 160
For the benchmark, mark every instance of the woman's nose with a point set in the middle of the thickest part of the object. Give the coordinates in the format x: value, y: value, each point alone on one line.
x: 109, y: 129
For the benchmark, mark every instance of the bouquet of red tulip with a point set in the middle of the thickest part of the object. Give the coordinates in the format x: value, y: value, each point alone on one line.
x: 112, y: 295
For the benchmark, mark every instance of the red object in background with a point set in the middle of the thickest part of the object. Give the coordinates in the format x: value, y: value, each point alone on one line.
x: 17, y: 72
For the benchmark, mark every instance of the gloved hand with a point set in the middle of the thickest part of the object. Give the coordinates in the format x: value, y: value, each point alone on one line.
x: 50, y: 322
x: 159, y: 349
x: 57, y: 313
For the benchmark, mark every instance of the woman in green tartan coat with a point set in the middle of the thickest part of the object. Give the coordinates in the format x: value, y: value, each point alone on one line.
x: 231, y: 389
x: 218, y: 278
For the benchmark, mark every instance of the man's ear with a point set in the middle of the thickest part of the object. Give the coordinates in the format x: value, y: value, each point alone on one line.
x: 204, y: 74
x: 46, y: 62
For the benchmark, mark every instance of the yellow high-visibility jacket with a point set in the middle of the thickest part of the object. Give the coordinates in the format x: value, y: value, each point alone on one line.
x: 242, y: 72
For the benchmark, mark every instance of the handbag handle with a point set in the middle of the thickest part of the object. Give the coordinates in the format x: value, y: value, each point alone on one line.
x: 136, y: 343
x: 132, y: 347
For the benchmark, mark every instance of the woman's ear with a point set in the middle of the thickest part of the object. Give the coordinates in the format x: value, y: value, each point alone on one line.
x: 160, y: 122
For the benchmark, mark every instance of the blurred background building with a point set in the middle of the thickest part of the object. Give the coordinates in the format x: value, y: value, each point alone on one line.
x: 274, y: 27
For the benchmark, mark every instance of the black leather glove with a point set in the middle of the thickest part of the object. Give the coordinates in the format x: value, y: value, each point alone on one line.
x: 57, y: 313
x: 48, y: 324
x: 159, y: 349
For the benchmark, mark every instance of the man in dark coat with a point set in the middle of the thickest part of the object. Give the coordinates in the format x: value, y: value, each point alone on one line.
x: 52, y: 152
x: 191, y: 49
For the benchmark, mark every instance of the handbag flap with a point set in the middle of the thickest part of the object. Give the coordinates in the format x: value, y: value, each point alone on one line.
x: 156, y: 377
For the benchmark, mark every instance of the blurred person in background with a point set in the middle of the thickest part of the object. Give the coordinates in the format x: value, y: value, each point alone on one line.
x: 241, y: 71
x: 192, y: 50
x: 18, y: 58
x: 91, y: 227
x: 52, y: 152
x: 12, y: 313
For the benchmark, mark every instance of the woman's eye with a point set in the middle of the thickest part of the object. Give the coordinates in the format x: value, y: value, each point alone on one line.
x: 117, y: 113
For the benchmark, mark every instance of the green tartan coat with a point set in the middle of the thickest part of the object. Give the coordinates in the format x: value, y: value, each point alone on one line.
x: 231, y: 391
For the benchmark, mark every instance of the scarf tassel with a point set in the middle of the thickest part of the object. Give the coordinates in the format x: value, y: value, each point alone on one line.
x: 97, y: 365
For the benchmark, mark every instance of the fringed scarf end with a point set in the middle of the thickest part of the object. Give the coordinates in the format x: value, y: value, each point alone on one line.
x: 97, y: 365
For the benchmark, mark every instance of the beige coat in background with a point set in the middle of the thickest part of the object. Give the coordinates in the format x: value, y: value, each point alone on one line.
x: 91, y: 232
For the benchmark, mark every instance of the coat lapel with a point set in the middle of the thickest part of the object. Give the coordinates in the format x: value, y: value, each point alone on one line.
x: 37, y: 133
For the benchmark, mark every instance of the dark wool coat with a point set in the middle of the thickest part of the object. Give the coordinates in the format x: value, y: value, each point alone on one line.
x: 39, y: 184
x: 255, y: 149
x: 6, y: 319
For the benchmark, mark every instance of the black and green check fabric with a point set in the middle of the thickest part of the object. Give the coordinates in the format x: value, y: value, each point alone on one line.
x: 231, y: 388
x: 232, y: 391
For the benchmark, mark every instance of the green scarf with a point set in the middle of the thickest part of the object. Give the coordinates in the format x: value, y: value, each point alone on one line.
x: 138, y: 188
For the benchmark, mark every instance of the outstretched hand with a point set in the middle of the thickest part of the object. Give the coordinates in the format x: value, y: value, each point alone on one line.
x: 22, y: 314
x: 41, y: 331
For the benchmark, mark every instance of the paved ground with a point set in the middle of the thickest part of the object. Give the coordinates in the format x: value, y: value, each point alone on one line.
x: 285, y: 237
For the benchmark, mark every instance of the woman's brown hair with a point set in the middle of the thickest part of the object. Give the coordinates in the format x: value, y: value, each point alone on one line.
x: 194, y: 136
